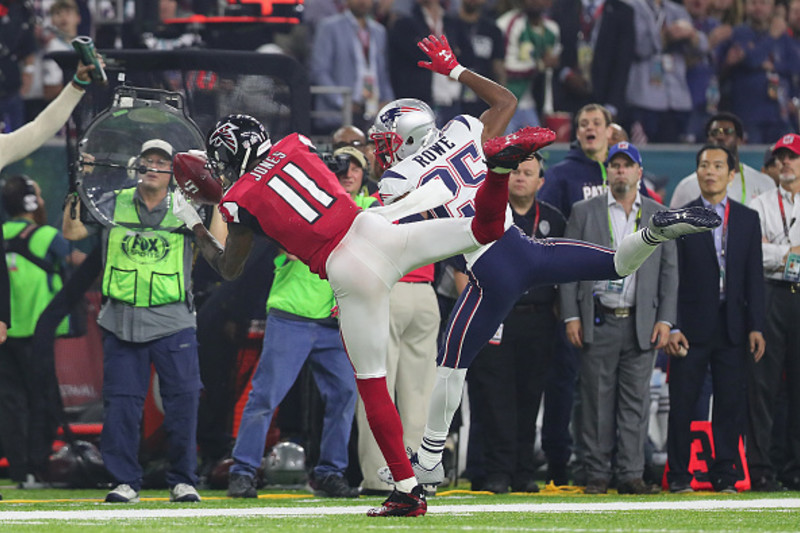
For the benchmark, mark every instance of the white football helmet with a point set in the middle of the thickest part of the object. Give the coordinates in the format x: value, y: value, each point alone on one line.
x: 401, y: 128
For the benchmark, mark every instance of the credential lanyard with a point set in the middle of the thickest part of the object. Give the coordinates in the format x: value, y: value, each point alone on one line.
x: 723, y: 248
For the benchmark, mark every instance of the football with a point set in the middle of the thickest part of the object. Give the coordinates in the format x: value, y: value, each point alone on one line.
x: 194, y: 179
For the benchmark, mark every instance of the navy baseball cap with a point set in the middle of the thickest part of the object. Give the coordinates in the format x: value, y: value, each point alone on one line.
x: 626, y: 148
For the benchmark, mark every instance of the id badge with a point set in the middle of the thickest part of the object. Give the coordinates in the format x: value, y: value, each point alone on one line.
x: 497, y: 337
x: 656, y: 71
x: 526, y: 51
x: 585, y: 55
x: 792, y: 270
x: 615, y: 285
x: 667, y: 63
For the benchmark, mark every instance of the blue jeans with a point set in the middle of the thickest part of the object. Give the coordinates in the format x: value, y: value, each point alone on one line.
x: 287, y: 345
x: 126, y: 378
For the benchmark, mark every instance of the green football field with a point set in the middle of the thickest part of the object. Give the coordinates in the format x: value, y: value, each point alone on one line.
x: 454, y: 510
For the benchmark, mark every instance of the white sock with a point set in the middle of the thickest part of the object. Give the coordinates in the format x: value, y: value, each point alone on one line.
x: 406, y: 485
x: 634, y: 250
x: 445, y: 399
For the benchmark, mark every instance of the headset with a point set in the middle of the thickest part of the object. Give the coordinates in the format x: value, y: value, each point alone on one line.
x: 19, y: 195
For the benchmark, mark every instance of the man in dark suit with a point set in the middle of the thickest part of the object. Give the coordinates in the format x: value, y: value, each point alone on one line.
x: 618, y: 325
x: 598, y: 43
x: 720, y: 320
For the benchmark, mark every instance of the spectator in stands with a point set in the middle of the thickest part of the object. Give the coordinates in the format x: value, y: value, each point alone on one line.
x: 17, y: 56
x: 66, y: 18
x: 533, y: 45
x: 720, y: 320
x: 728, y: 12
x: 36, y: 255
x: 658, y: 92
x: 726, y: 130
x: 508, y: 377
x: 147, y: 320
x: 302, y: 327
x: 427, y: 17
x: 478, y: 44
x: 701, y: 70
x: 171, y: 37
x: 587, y: 27
x: 349, y: 50
x: 778, y: 211
x: 756, y: 65
x: 618, y: 326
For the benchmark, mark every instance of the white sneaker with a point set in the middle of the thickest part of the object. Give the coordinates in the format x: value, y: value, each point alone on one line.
x: 183, y: 492
x: 427, y: 478
x: 122, y: 494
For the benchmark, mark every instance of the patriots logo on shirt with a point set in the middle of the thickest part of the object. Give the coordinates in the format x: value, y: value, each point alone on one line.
x: 391, y: 115
x: 224, y: 136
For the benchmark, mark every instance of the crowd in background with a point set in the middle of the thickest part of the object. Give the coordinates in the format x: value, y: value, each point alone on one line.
x: 661, y: 67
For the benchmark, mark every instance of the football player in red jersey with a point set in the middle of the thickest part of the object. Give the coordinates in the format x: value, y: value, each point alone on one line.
x: 286, y: 192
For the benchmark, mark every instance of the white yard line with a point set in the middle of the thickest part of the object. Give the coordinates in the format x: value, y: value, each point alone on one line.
x: 190, y: 512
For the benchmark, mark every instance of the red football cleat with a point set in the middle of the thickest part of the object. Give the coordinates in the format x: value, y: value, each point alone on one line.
x: 511, y: 150
x: 402, y: 504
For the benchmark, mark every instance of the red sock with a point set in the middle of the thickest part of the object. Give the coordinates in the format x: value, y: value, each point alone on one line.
x: 385, y: 425
x: 491, y: 199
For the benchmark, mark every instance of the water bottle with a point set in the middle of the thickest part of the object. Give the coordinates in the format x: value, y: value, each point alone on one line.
x: 85, y: 48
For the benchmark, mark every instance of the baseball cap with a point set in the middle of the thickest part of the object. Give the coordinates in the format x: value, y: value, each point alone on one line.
x: 354, y: 153
x: 789, y: 141
x: 157, y: 144
x: 626, y: 148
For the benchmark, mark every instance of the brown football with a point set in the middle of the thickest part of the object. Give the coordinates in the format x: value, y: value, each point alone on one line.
x: 195, y: 180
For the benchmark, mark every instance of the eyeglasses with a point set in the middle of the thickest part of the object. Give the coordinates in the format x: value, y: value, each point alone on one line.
x: 716, y: 132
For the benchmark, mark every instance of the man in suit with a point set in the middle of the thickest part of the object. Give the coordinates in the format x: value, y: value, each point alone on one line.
x: 350, y: 50
x: 588, y: 26
x: 720, y: 320
x: 618, y: 325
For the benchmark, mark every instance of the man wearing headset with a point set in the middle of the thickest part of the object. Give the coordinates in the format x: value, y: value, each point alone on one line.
x: 35, y: 254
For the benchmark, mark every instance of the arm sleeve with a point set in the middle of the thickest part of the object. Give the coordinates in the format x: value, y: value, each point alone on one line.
x: 18, y: 144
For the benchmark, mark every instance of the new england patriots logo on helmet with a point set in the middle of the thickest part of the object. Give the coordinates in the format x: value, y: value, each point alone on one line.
x: 225, y: 136
x: 393, y: 113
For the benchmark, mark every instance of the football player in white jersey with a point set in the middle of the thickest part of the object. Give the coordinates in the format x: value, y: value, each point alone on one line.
x: 413, y: 153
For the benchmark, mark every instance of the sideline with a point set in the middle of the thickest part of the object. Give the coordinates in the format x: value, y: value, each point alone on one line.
x: 277, y: 512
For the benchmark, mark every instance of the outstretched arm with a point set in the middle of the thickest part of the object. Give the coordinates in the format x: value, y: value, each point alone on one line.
x: 502, y: 103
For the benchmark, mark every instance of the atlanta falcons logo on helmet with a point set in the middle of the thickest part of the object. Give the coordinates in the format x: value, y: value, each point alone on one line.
x: 224, y: 136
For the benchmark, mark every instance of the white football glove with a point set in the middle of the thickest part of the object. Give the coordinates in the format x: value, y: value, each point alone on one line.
x: 184, y: 211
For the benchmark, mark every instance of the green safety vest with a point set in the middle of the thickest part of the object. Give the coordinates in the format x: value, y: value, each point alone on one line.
x: 144, y: 267
x: 34, y: 279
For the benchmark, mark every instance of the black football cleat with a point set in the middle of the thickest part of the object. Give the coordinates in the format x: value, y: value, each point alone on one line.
x: 668, y: 225
x: 402, y: 504
x: 512, y: 149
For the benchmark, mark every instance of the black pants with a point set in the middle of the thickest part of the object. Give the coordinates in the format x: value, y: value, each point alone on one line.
x: 506, y: 382
x: 766, y: 379
x: 686, y: 375
x: 24, y: 434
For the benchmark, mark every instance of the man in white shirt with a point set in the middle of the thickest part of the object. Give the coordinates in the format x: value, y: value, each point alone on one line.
x: 779, y: 211
x: 725, y: 129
